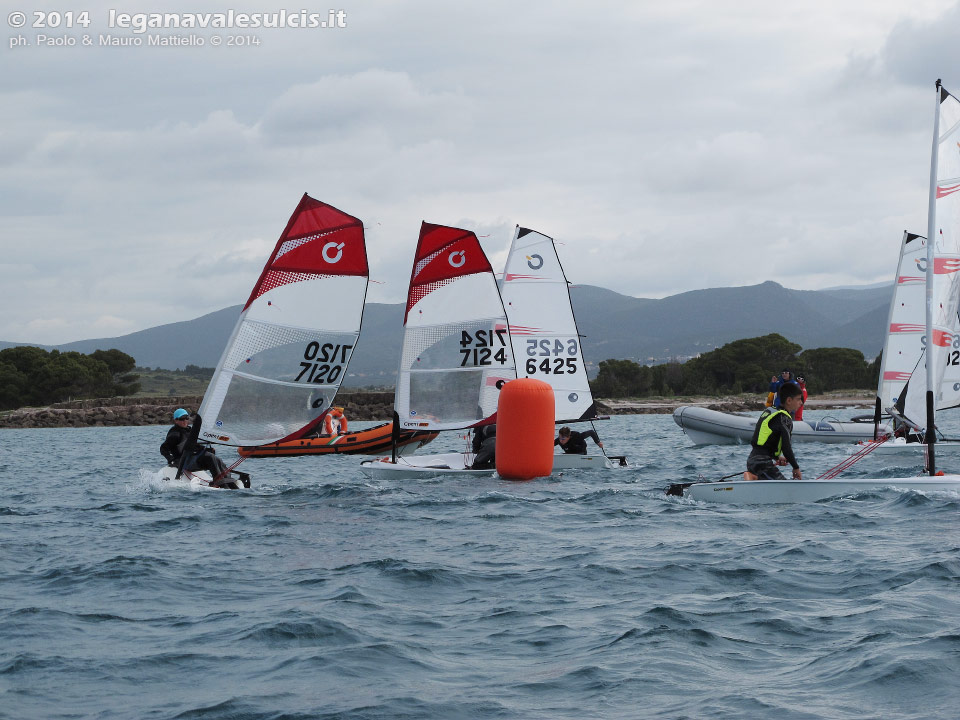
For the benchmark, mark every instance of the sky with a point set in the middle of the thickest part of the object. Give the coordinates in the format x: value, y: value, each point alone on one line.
x: 666, y: 147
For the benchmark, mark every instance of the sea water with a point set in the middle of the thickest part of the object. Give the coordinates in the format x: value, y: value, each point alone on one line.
x: 320, y: 593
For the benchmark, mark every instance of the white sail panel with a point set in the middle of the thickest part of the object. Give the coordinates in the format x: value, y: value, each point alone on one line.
x: 543, y: 330
x: 290, y: 349
x: 945, y: 293
x: 456, y: 347
x: 903, y: 344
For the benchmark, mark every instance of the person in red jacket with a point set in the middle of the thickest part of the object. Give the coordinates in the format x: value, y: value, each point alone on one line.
x: 803, y: 388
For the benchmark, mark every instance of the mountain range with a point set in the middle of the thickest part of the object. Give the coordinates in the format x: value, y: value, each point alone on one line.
x: 612, y: 325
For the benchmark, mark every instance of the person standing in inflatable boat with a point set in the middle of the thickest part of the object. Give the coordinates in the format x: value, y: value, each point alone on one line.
x: 335, y: 423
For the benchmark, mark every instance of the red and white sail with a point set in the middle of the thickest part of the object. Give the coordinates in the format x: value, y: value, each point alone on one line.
x: 456, y: 346
x: 943, y: 264
x: 536, y: 296
x: 291, y: 346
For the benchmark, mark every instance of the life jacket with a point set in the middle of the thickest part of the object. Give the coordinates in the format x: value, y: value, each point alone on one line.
x: 334, y: 424
x: 762, y: 432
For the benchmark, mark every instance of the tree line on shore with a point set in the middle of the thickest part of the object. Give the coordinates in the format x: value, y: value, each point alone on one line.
x: 31, y: 376
x: 742, y: 366
x: 35, y: 377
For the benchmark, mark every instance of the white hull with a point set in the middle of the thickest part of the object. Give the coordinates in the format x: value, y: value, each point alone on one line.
x: 572, y: 461
x: 900, y: 447
x: 710, y: 427
x: 423, y: 466
x: 200, y: 478
x: 764, y: 492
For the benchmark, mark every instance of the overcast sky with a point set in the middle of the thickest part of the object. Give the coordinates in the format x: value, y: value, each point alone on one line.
x: 665, y: 146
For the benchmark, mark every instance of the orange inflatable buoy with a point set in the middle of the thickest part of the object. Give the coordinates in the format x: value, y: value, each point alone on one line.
x: 525, y: 430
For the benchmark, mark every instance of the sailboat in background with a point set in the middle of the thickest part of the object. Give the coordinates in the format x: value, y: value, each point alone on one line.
x: 905, y: 339
x: 456, y: 351
x: 286, y: 357
x: 543, y: 330
x: 942, y: 300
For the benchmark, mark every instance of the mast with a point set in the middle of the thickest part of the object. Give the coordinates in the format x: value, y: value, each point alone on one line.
x: 930, y: 438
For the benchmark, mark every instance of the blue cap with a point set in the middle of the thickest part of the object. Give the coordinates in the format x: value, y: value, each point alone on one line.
x: 179, y: 413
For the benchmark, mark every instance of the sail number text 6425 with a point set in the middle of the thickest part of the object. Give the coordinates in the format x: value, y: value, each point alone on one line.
x: 483, y: 347
x: 544, y: 357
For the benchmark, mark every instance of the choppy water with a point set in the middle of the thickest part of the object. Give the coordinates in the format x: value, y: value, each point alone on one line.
x: 322, y: 594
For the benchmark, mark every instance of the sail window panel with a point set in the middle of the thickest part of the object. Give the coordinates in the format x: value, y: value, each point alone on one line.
x: 255, y: 412
x: 470, y: 298
x: 334, y: 302
x: 447, y: 397
x: 463, y: 345
x: 290, y: 354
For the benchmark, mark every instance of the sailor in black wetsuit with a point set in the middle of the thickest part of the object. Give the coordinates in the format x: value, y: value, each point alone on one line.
x: 486, y: 450
x: 771, y: 437
x: 576, y: 442
x: 203, y: 458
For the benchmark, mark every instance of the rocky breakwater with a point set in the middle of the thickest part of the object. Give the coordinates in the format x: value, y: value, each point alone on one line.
x: 130, y: 411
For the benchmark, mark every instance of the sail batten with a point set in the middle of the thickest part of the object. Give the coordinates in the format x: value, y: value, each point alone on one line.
x: 289, y: 351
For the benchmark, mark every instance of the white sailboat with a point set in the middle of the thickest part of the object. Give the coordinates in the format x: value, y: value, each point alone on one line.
x: 456, y: 351
x: 287, y: 355
x: 941, y: 308
x: 905, y: 340
x: 536, y: 296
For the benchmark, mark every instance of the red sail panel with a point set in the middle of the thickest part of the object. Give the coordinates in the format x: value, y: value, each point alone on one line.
x: 443, y: 253
x: 319, y: 240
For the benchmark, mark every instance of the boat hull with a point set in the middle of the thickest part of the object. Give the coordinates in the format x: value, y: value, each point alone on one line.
x: 458, y: 464
x: 200, y: 478
x: 573, y: 461
x: 371, y: 441
x: 710, y: 427
x: 423, y: 466
x: 767, y: 492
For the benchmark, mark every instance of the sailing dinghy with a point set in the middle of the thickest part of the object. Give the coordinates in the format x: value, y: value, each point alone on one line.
x: 456, y: 352
x: 919, y: 404
x: 287, y: 356
x: 904, y: 342
x: 543, y: 330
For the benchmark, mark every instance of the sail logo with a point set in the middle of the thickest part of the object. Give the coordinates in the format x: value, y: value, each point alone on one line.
x: 335, y: 258
x: 534, y: 262
x: 942, y: 338
x: 906, y: 328
x: 457, y: 262
x: 941, y: 265
x: 942, y: 192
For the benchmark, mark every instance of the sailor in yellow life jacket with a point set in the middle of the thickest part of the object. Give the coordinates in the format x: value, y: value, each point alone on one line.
x: 771, y: 440
x: 335, y: 423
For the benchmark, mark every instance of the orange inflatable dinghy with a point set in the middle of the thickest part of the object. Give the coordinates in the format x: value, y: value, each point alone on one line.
x: 371, y: 441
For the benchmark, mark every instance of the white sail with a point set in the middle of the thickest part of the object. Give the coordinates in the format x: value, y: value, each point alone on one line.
x: 943, y: 263
x: 903, y: 344
x: 290, y: 348
x: 542, y: 327
x: 456, y: 347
